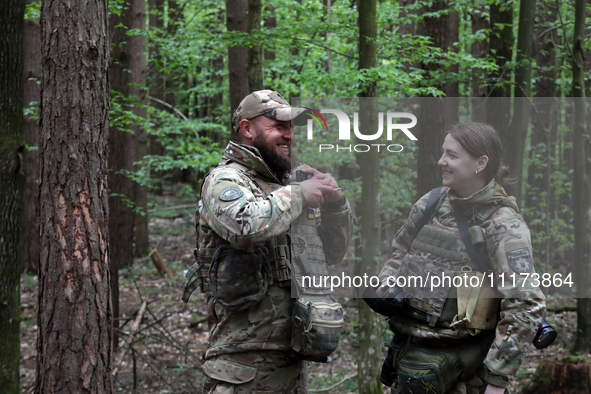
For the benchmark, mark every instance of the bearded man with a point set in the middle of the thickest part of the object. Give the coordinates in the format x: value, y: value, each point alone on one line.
x: 249, y: 253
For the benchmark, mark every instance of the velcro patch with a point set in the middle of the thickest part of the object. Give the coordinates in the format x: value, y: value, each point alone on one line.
x: 230, y: 194
x: 520, y: 260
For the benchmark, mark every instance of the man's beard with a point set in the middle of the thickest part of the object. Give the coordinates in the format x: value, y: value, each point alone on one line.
x: 279, y: 164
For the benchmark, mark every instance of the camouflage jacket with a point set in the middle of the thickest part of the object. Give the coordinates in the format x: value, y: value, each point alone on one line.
x: 235, y: 210
x: 508, y: 251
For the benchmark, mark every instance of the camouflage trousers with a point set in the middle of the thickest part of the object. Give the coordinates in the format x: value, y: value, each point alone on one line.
x: 473, y: 385
x: 256, y: 372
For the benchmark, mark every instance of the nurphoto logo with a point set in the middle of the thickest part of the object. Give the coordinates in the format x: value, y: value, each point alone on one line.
x: 344, y: 123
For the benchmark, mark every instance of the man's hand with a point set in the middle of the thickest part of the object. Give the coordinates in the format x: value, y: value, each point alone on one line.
x: 333, y: 193
x: 316, y: 189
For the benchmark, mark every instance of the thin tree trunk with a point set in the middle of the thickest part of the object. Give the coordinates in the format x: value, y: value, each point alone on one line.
x: 544, y: 117
x: 122, y: 144
x: 370, y: 325
x: 434, y: 117
x: 514, y: 137
x: 74, y: 319
x: 255, y: 53
x: 237, y: 56
x: 137, y: 66
x: 32, y: 93
x: 479, y: 51
x: 12, y: 183
x: 501, y: 40
x: 581, y: 189
x: 156, y: 21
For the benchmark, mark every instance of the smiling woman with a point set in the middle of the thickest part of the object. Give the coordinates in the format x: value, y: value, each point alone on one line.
x: 433, y: 336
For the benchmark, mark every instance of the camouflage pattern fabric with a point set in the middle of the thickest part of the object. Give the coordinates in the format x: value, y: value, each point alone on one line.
x: 264, y: 102
x: 507, y: 241
x: 255, y: 372
x: 245, y: 206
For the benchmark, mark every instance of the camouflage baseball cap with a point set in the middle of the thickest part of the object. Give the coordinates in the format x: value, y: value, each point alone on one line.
x: 264, y: 102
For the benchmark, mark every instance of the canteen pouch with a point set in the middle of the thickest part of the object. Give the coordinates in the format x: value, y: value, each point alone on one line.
x: 427, y: 369
x: 316, y: 328
x: 239, y: 279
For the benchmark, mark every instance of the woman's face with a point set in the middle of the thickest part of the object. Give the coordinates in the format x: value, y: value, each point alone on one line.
x: 459, y: 168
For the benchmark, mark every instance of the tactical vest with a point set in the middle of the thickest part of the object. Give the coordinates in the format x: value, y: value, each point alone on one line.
x: 296, y: 259
x: 446, y: 314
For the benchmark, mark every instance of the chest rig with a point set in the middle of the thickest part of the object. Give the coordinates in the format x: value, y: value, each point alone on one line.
x: 472, y: 308
x: 306, y: 270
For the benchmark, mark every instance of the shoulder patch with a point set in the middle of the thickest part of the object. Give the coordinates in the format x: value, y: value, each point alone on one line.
x: 520, y: 260
x: 230, y: 194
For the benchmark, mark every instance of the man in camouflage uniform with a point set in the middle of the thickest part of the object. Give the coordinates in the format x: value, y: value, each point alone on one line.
x: 247, y: 206
x: 504, y: 240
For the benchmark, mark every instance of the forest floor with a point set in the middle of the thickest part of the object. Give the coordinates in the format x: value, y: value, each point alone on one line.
x: 166, y: 352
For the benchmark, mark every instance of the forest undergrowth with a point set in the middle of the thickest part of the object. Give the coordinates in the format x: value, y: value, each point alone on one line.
x: 163, y: 340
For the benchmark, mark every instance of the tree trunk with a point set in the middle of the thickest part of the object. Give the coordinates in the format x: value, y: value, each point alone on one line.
x: 370, y: 325
x: 237, y: 56
x: 12, y: 183
x: 544, y: 117
x: 122, y: 145
x: 434, y: 116
x: 74, y: 319
x: 137, y: 48
x: 514, y: 137
x: 156, y: 84
x: 255, y: 53
x: 479, y: 51
x: 32, y: 93
x: 501, y: 41
x: 581, y: 188
x: 451, y: 88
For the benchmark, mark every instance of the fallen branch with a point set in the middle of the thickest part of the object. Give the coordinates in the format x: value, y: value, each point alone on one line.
x: 134, y: 328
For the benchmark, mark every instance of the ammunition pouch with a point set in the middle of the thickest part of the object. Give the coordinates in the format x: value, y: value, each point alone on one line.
x: 239, y: 279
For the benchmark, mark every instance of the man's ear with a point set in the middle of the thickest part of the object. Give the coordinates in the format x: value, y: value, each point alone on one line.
x: 246, y: 130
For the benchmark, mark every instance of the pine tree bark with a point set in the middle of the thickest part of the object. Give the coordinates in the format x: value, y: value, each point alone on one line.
x: 581, y: 189
x: 74, y: 319
x: 32, y: 93
x: 370, y: 325
x: 12, y: 183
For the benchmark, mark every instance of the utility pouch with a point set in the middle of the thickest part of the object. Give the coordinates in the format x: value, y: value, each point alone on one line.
x: 422, y: 295
x: 317, y: 325
x: 428, y: 369
x: 239, y: 279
